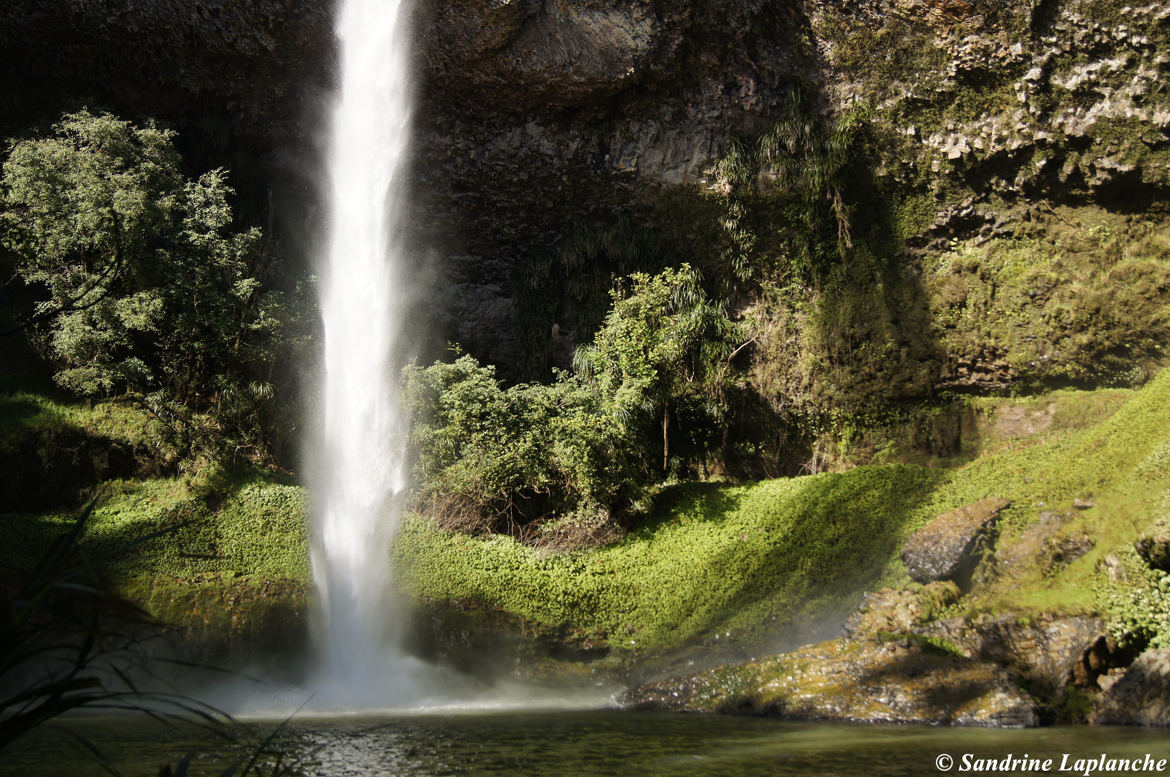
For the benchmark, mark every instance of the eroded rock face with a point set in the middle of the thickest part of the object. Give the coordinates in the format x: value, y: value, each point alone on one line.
x: 532, y: 116
x: 1140, y: 696
x: 536, y: 118
x: 547, y: 54
x: 892, y: 611
x: 949, y: 547
x: 1052, y: 651
x: 238, y: 70
x: 865, y: 681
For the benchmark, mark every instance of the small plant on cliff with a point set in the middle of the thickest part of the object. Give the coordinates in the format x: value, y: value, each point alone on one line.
x: 785, y: 195
x: 144, y: 286
x: 569, y: 288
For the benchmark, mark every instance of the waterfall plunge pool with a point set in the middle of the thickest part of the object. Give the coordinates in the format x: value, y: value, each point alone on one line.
x: 579, y: 743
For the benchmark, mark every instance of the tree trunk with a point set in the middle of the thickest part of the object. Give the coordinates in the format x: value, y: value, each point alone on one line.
x: 665, y: 437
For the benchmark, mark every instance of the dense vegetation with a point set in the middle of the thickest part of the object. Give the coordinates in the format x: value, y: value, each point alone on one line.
x: 736, y: 560
x: 829, y: 302
x: 141, y: 286
x: 583, y: 448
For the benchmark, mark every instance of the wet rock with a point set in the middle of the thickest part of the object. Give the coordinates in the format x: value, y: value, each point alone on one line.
x: 1139, y: 696
x: 899, y: 610
x: 867, y: 681
x: 949, y: 547
x: 1052, y: 651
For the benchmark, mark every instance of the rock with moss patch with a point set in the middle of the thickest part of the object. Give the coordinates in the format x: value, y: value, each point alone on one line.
x: 1140, y: 696
x: 1051, y: 650
x: 899, y: 610
x: 1044, y: 544
x: 865, y: 681
x: 1154, y: 547
x: 949, y: 547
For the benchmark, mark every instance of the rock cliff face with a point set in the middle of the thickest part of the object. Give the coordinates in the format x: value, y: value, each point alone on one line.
x: 538, y: 117
x: 239, y: 80
x: 532, y: 113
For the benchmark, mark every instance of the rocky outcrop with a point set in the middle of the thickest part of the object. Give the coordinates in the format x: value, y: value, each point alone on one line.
x: 869, y: 681
x: 1154, y: 547
x: 1140, y: 695
x: 537, y: 118
x: 1051, y: 651
x: 1046, y: 544
x: 949, y: 547
x: 892, y: 611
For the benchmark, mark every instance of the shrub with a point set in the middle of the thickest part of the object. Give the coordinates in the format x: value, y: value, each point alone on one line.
x: 494, y: 458
x: 145, y: 287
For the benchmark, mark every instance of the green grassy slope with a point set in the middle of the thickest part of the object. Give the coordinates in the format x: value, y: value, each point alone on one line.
x: 766, y: 557
x: 741, y: 562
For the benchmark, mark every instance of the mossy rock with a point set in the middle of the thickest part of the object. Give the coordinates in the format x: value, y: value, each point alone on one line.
x: 841, y: 680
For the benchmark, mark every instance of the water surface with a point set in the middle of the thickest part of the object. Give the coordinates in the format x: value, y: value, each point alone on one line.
x: 588, y: 744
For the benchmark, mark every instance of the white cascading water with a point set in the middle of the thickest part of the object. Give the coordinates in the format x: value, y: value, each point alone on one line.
x: 361, y: 453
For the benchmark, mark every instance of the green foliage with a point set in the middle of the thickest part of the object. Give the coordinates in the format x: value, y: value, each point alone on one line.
x: 487, y: 457
x: 498, y: 459
x: 788, y: 213
x: 180, y: 528
x: 1081, y: 300
x: 664, y: 347
x: 25, y: 413
x: 781, y: 554
x: 710, y: 559
x: 1113, y: 461
x: 1139, y: 609
x: 146, y: 287
x: 569, y: 287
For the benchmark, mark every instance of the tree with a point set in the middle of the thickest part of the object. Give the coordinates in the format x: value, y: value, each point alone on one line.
x: 145, y: 287
x: 492, y: 458
x: 664, y: 345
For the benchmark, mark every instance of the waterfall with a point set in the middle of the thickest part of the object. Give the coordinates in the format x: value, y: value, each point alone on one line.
x: 360, y: 452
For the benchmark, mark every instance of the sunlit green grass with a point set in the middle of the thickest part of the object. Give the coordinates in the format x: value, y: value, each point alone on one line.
x: 773, y: 556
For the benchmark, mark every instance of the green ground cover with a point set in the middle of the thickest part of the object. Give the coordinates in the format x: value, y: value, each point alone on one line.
x: 744, y: 561
x: 749, y: 561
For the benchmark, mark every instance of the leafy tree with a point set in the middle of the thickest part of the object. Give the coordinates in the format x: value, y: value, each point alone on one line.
x: 495, y: 458
x: 664, y: 345
x: 145, y: 286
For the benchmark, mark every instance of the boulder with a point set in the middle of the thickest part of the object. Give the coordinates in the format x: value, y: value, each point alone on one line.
x: 1051, y: 650
x: 949, y: 547
x: 1154, y: 547
x: 904, y: 681
x: 1139, y: 696
x: 899, y: 610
